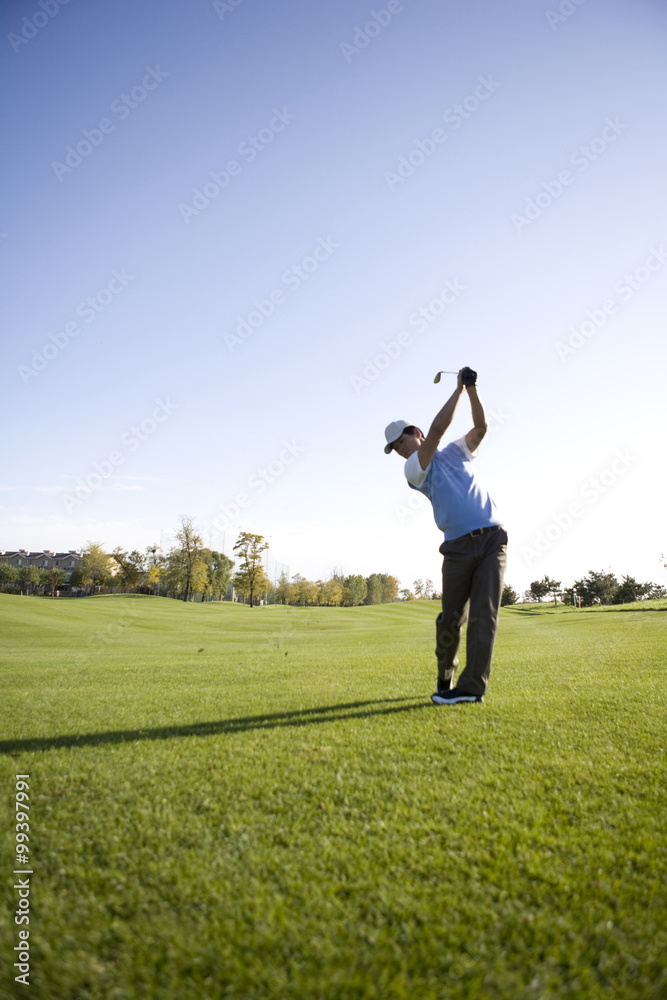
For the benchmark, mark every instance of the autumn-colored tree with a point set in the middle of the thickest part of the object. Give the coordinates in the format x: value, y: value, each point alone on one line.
x: 200, y: 577
x: 304, y: 592
x: 330, y: 592
x: 95, y: 566
x: 284, y: 590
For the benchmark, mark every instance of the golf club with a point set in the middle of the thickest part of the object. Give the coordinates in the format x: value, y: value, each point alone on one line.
x: 437, y: 377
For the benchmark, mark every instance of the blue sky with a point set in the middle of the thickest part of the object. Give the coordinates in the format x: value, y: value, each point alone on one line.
x: 240, y: 238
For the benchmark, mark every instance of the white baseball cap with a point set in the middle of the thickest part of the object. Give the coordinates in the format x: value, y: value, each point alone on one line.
x: 393, y: 432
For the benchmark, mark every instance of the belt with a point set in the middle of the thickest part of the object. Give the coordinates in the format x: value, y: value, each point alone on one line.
x: 483, y: 531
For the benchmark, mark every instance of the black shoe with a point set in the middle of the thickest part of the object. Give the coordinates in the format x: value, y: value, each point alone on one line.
x: 454, y: 697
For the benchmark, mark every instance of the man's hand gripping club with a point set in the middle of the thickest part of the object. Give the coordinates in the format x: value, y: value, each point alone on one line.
x: 466, y: 379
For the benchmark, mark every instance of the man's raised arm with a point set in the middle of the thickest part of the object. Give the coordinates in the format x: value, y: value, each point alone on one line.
x: 443, y: 419
x: 474, y: 437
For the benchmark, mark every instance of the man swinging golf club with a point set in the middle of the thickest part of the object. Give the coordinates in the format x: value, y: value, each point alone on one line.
x: 474, y: 547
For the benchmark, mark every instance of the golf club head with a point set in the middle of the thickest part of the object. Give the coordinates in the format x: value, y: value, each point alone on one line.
x: 437, y: 377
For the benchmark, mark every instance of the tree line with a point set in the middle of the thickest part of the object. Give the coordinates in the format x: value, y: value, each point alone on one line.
x: 190, y: 571
x: 597, y: 587
x: 30, y: 579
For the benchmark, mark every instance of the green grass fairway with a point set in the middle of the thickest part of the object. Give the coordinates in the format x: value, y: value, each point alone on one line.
x: 232, y: 804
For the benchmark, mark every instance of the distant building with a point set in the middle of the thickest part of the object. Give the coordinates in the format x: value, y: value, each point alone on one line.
x: 67, y: 561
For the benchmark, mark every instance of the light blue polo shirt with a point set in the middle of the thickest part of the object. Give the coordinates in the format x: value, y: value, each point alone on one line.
x: 460, y: 503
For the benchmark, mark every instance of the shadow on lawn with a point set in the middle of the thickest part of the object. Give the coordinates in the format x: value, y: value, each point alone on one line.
x: 549, y: 609
x: 303, y: 717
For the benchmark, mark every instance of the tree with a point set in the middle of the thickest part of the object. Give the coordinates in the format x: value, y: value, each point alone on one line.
x: 429, y: 590
x: 304, y: 591
x: 283, y: 592
x: 629, y: 590
x: 174, y: 573
x: 78, y: 580
x: 55, y: 577
x: 220, y: 572
x: 538, y: 590
x: 8, y: 576
x: 374, y: 589
x: 132, y: 568
x: 28, y: 577
x: 154, y: 569
x: 381, y: 589
x: 354, y: 591
x: 95, y: 566
x: 310, y: 593
x: 330, y: 593
x: 509, y: 596
x: 407, y: 595
x: 153, y: 577
x: 250, y: 578
x: 200, y: 579
x: 596, y: 588
x: 34, y: 578
x: 418, y: 588
x: 190, y: 547
x: 553, y: 588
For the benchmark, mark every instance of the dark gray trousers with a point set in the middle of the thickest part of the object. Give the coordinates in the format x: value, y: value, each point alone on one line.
x: 473, y: 569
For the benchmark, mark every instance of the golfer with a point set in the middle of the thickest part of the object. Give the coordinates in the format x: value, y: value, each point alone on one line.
x: 474, y: 546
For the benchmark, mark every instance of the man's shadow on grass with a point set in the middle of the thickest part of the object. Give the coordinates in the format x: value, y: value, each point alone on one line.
x: 278, y: 720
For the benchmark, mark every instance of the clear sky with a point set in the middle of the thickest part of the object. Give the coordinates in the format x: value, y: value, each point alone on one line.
x: 240, y: 237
